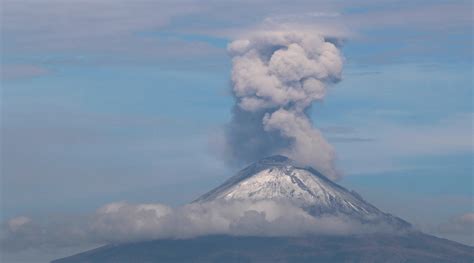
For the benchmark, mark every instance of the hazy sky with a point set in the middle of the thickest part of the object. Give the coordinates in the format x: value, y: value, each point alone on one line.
x: 107, y: 101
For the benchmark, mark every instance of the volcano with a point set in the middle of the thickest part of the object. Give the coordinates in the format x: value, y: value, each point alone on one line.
x: 281, y: 179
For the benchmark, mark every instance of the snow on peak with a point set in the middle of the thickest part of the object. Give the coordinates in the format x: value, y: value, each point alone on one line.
x: 279, y: 178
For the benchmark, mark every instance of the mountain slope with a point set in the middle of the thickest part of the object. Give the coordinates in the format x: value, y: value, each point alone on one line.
x: 281, y: 179
x: 414, y: 247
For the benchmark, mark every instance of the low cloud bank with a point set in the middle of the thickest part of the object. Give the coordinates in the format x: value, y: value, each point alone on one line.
x: 124, y: 222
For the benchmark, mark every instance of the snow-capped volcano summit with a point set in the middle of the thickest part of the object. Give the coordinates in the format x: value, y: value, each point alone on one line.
x: 279, y: 178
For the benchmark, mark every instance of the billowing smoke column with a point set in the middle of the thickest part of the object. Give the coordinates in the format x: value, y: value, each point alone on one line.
x: 276, y: 76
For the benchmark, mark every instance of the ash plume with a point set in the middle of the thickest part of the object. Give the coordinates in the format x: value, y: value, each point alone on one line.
x: 276, y: 77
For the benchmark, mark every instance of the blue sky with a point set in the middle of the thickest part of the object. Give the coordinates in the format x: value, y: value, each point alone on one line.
x: 108, y: 100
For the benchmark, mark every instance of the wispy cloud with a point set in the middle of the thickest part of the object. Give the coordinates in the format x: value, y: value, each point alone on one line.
x: 380, y: 145
x: 115, y: 27
x: 21, y: 71
x: 459, y: 228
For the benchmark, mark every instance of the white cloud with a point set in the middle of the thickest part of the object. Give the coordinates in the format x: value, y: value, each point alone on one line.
x: 15, y: 223
x: 124, y: 222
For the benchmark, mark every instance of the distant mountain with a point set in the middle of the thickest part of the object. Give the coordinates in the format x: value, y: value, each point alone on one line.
x: 281, y: 179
